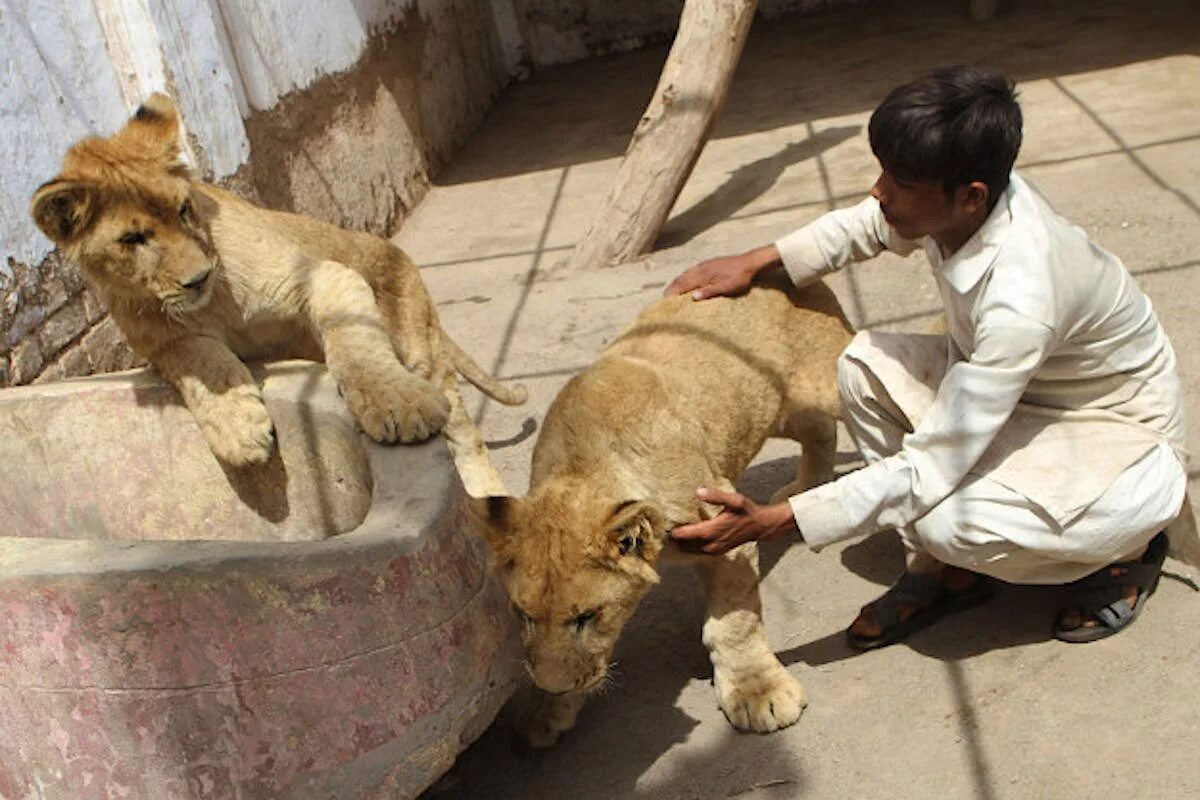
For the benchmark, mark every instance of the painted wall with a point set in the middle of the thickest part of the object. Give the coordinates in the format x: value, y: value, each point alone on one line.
x: 79, y: 68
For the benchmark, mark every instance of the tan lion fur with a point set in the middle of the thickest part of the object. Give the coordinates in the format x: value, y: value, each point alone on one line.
x: 686, y: 397
x: 198, y: 279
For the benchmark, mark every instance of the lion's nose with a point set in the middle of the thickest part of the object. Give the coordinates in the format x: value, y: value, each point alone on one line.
x: 197, y: 280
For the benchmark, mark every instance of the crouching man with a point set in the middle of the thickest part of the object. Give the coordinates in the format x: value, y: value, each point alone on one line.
x: 1040, y: 441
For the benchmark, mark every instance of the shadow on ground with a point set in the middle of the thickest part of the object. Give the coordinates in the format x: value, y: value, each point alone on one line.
x: 746, y: 184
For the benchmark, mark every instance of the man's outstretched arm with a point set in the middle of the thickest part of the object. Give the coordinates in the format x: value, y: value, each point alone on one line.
x: 824, y: 245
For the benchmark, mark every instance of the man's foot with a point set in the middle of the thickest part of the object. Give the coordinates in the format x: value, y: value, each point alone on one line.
x: 914, y: 602
x: 1108, y: 600
x: 1071, y: 618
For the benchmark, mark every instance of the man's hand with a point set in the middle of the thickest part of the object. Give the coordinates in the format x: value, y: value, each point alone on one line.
x: 717, y: 276
x: 742, y: 521
x: 727, y: 275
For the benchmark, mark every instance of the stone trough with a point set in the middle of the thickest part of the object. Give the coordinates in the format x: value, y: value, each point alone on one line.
x: 322, y: 626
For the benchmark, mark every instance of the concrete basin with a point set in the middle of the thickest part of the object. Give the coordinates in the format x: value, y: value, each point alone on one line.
x: 322, y: 626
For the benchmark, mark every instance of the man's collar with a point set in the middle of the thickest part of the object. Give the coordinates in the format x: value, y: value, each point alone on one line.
x: 970, y: 262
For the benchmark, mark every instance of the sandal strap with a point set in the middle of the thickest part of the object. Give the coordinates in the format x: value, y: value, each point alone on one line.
x: 1115, y: 615
x: 913, y: 589
x: 1101, y: 595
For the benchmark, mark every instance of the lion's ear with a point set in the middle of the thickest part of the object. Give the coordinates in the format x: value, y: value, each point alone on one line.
x: 155, y: 127
x: 493, y: 517
x: 63, y: 208
x: 158, y: 109
x: 637, y: 527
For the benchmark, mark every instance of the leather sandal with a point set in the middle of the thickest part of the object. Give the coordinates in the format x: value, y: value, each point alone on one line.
x: 1101, y: 595
x: 930, y: 600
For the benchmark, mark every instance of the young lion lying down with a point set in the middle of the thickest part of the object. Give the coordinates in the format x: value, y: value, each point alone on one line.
x: 684, y: 398
x: 197, y: 279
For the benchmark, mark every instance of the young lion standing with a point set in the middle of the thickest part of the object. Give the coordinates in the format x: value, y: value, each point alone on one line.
x: 688, y: 394
x: 198, y: 279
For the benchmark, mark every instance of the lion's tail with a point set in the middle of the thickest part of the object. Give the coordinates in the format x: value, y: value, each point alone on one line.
x: 513, y: 395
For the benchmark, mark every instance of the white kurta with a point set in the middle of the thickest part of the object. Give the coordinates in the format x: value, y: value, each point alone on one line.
x: 1058, y: 377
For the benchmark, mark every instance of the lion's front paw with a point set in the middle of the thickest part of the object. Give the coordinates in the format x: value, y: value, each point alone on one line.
x: 239, y: 429
x: 761, y: 702
x: 405, y: 410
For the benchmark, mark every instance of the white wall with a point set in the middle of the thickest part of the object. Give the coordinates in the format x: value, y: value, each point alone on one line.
x: 78, y: 67
x: 58, y: 85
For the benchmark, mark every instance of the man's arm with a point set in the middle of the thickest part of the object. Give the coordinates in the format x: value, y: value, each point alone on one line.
x: 837, y: 238
x: 973, y: 402
x: 822, y: 246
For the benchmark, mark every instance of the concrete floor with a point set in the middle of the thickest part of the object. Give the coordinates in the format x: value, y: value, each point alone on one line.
x: 985, y: 705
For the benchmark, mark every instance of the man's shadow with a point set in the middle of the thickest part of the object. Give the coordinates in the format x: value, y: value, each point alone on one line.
x: 746, y: 184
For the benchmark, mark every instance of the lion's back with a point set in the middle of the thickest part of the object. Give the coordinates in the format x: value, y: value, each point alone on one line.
x: 760, y: 336
x: 722, y: 370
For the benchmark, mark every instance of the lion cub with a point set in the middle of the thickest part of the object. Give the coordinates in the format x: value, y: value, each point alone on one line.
x: 686, y: 397
x: 198, y: 279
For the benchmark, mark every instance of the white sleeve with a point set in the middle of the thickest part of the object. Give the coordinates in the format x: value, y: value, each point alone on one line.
x: 837, y: 237
x: 973, y: 402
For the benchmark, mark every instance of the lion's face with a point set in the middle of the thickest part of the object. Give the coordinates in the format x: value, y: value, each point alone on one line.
x: 125, y: 211
x: 147, y: 252
x: 575, y: 569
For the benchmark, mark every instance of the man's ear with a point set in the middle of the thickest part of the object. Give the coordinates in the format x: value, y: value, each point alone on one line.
x: 494, y: 518
x: 637, y: 528
x: 155, y: 128
x: 975, y: 197
x: 62, y: 209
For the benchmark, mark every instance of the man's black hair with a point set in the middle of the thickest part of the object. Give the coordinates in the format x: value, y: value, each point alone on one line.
x: 954, y: 126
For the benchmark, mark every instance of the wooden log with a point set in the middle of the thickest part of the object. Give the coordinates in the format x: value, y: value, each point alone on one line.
x: 691, y: 90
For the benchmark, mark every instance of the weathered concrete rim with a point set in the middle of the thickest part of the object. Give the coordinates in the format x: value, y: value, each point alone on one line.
x: 396, y: 515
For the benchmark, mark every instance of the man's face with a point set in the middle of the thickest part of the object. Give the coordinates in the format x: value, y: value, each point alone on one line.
x: 915, y: 208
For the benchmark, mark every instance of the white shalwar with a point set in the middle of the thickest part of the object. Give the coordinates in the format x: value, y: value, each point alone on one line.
x: 1041, y: 438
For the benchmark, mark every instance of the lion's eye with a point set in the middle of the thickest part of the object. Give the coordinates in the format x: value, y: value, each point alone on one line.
x: 133, y: 238
x: 581, y: 620
x: 627, y: 543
